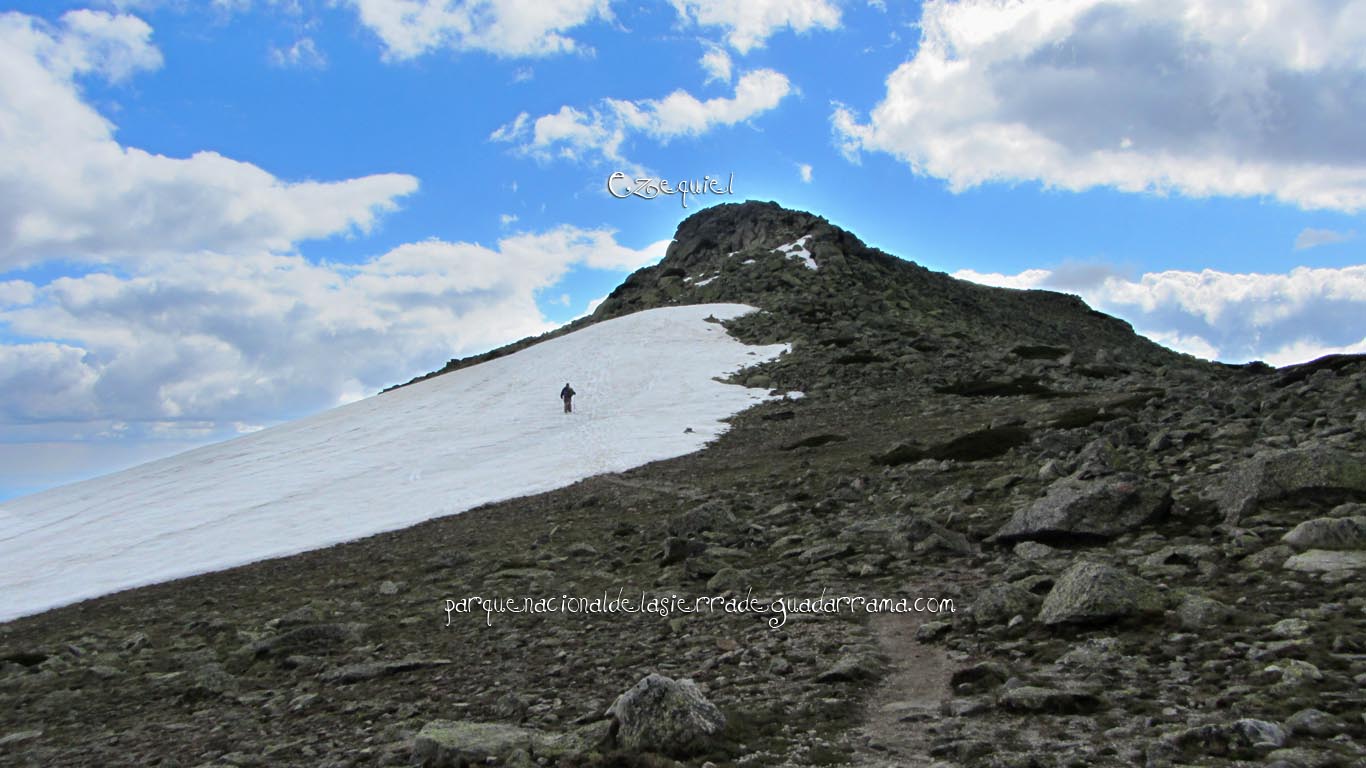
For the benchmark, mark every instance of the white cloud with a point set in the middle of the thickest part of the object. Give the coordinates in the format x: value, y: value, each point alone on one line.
x: 1198, y: 97
x: 69, y: 190
x: 804, y: 170
x: 16, y: 293
x: 410, y: 28
x: 1310, y: 237
x: 717, y: 64
x: 1191, y: 345
x: 507, y: 219
x: 1280, y: 318
x: 90, y: 42
x: 749, y: 24
x: 303, y: 53
x: 200, y: 342
x: 1303, y: 350
x: 599, y: 132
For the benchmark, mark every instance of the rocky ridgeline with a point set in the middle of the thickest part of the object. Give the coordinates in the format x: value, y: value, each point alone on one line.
x: 1153, y: 561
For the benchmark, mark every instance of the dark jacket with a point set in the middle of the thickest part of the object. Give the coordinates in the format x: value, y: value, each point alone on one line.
x: 566, y: 393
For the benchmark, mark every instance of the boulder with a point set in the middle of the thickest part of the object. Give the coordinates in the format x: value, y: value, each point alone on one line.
x: 1244, y: 738
x: 1287, y: 473
x: 998, y: 604
x: 1335, y: 533
x: 1327, y: 561
x: 456, y: 743
x: 1031, y: 699
x: 979, y: 677
x: 1314, y: 722
x: 667, y: 716
x: 1088, y: 510
x: 1093, y: 593
x: 1200, y: 612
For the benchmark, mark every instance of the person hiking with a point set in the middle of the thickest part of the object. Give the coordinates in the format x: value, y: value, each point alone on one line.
x: 567, y: 395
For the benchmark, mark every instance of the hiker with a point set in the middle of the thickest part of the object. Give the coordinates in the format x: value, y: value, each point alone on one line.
x: 567, y: 395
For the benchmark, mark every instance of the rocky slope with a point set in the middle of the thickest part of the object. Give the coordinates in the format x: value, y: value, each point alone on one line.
x: 1152, y: 560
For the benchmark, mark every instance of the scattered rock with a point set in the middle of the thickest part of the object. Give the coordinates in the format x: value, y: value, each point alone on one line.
x: 19, y: 737
x: 369, y: 670
x: 1292, y: 627
x: 849, y: 668
x: 709, y: 516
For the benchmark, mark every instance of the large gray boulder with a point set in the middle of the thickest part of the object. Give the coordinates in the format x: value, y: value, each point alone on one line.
x: 1338, y: 533
x: 671, y: 717
x: 1278, y: 474
x: 1088, y: 509
x: 1094, y: 593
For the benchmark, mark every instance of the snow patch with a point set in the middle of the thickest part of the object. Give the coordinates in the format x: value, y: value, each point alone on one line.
x: 797, y: 250
x: 486, y: 433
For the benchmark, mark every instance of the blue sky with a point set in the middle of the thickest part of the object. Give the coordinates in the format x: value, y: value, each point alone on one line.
x: 221, y: 215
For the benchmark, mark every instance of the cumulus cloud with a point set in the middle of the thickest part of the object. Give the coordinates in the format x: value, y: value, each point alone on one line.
x: 69, y: 190
x: 804, y: 170
x: 717, y: 64
x: 1197, y: 97
x: 410, y: 28
x: 749, y: 24
x: 1279, y: 318
x: 209, y: 340
x: 1310, y: 237
x: 599, y: 132
x: 303, y: 54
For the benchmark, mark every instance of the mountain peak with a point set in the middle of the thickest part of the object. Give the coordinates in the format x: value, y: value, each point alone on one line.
x: 736, y: 227
x: 818, y: 282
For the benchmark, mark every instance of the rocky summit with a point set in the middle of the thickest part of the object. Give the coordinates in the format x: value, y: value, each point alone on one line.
x: 1120, y: 555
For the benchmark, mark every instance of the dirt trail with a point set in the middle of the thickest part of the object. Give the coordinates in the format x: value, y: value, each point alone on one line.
x: 917, y: 680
